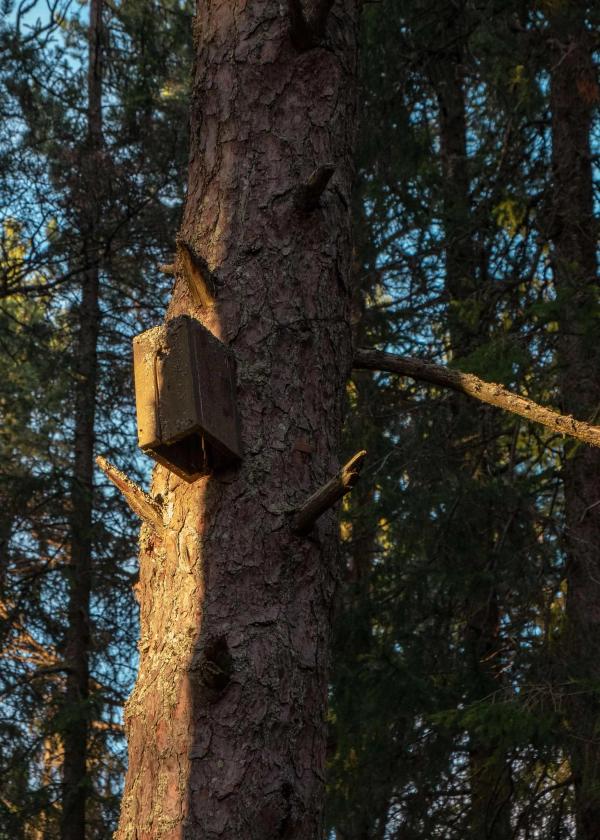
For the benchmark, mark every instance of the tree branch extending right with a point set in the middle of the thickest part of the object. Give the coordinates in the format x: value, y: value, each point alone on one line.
x: 326, y: 496
x: 473, y: 386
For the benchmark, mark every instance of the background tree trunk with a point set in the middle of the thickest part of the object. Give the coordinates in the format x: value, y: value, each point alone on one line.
x: 468, y: 330
x: 574, y: 95
x: 75, y: 727
x: 226, y: 725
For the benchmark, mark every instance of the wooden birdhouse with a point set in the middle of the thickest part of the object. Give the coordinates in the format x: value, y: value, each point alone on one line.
x: 186, y: 398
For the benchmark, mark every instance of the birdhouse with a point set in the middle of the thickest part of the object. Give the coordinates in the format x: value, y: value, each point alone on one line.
x: 185, y: 398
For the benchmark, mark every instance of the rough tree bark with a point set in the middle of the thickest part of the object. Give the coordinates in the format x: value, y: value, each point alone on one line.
x: 574, y: 96
x: 226, y: 724
x: 76, y: 713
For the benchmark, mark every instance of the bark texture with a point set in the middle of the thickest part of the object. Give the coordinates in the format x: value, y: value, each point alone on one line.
x: 574, y: 96
x: 226, y: 724
x: 76, y: 714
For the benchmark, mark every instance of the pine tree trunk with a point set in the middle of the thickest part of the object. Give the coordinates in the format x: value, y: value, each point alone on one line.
x: 76, y: 712
x: 226, y: 724
x: 488, y: 773
x: 574, y: 95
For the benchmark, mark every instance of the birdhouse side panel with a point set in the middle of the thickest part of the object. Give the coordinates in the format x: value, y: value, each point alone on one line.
x: 145, y: 349
x: 216, y: 395
x: 176, y: 383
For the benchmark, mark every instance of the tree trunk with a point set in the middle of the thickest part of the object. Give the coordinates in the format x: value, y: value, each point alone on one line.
x: 226, y: 724
x: 574, y: 95
x: 75, y: 727
x: 488, y: 776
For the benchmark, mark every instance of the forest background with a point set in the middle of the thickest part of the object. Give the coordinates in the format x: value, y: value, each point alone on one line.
x: 465, y: 690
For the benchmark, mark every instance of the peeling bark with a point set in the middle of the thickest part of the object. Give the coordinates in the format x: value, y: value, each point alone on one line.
x: 226, y: 724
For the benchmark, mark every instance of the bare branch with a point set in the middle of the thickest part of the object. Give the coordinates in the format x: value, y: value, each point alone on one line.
x: 140, y: 502
x: 167, y: 268
x: 487, y: 392
x: 308, y: 194
x: 57, y: 668
x: 326, y: 496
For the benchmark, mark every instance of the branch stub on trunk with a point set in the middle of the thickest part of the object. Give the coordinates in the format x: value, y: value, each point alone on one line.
x: 200, y: 280
x: 326, y: 496
x: 308, y: 194
x: 147, y: 508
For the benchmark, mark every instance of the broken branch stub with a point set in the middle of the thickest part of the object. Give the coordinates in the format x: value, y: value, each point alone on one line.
x: 309, y: 194
x: 140, y: 502
x: 479, y: 389
x: 199, y: 278
x: 326, y: 496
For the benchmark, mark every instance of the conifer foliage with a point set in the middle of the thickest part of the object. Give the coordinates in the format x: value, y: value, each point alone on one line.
x: 94, y: 130
x: 455, y: 673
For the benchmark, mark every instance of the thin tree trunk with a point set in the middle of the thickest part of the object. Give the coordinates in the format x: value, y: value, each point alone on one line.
x: 76, y: 710
x: 490, y: 803
x: 360, y: 796
x: 574, y: 95
x: 226, y: 724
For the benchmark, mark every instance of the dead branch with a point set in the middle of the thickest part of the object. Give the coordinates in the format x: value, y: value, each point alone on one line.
x: 326, y: 496
x: 140, y: 502
x: 308, y: 194
x: 201, y: 281
x: 48, y: 670
x: 487, y: 392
